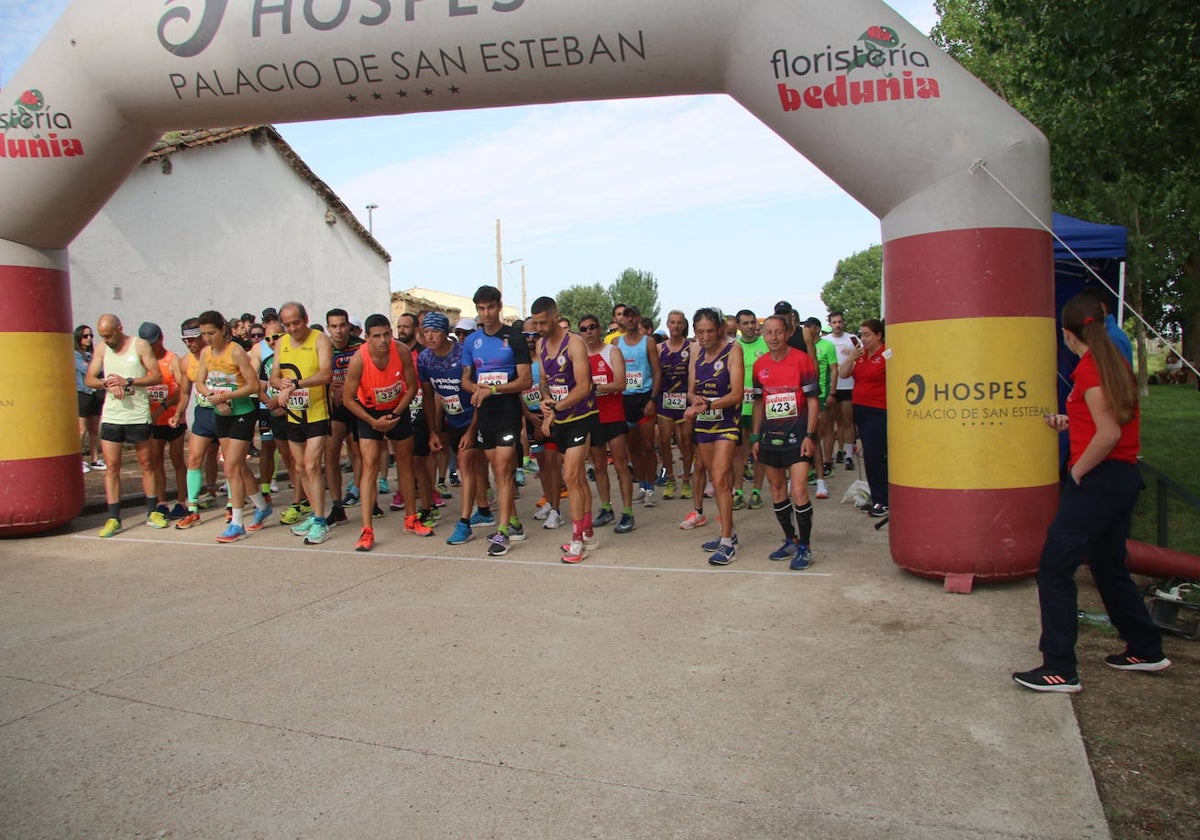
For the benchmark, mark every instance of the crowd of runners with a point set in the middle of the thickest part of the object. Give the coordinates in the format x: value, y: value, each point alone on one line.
x: 377, y: 418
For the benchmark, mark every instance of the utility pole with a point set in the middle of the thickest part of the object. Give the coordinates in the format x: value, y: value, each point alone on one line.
x: 371, y: 208
x: 524, y: 307
x: 499, y: 262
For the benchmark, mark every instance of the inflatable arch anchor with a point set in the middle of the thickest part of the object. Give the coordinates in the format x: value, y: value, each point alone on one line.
x: 854, y: 87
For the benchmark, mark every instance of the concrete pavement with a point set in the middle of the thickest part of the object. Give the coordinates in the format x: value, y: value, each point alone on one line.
x: 159, y: 684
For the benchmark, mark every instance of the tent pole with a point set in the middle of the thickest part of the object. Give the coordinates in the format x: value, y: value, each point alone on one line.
x: 1121, y: 296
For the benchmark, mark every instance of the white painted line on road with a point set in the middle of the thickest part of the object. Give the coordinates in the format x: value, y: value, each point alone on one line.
x: 259, y: 547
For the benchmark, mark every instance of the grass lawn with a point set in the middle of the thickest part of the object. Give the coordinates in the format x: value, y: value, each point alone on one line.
x: 1170, y: 418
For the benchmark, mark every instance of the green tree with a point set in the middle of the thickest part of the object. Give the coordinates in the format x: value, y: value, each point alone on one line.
x: 857, y: 286
x: 577, y: 301
x: 636, y: 288
x: 1114, y: 86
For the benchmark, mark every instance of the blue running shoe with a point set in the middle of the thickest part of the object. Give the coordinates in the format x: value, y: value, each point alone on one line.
x: 259, y: 519
x: 479, y: 520
x: 462, y: 534
x: 802, y: 560
x: 723, y: 556
x: 301, y: 528
x: 713, y: 545
x: 232, y: 533
x: 626, y: 524
x: 317, y: 534
x: 604, y: 517
x: 785, y: 552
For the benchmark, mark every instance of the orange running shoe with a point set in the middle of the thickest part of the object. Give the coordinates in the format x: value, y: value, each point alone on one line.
x: 414, y: 525
x: 366, y: 540
x: 188, y: 521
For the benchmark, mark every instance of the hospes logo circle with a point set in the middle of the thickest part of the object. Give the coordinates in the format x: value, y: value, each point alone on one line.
x: 914, y: 389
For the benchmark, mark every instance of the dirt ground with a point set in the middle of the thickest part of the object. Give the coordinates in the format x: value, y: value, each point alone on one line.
x: 1141, y: 731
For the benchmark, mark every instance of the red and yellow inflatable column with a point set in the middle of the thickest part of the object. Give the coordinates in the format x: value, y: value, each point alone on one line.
x: 971, y: 462
x: 42, y: 484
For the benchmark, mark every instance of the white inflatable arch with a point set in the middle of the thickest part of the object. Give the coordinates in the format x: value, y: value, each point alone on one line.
x: 851, y: 85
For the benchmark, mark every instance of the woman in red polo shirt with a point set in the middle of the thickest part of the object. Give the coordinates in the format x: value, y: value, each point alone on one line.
x: 868, y: 365
x: 1094, y: 511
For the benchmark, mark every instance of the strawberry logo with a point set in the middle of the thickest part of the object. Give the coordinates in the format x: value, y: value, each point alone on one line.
x: 31, y: 100
x: 883, y: 36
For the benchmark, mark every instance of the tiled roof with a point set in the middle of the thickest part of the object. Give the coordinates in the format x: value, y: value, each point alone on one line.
x: 178, y: 141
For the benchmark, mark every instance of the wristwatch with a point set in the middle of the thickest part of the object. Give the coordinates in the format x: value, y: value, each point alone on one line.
x: 128, y: 381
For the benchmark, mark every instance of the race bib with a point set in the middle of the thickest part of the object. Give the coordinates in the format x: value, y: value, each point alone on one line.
x: 298, y: 400
x: 600, y: 379
x: 781, y: 406
x: 492, y: 377
x: 633, y: 380
x: 418, y: 402
x: 532, y: 399
x: 675, y: 401
x: 559, y: 392
x: 748, y: 396
x: 452, y: 404
x: 389, y: 395
x: 158, y: 393
x: 710, y: 415
x: 203, y: 401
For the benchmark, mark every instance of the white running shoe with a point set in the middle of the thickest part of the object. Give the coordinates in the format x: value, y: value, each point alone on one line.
x: 543, y: 511
x: 822, y: 489
x: 553, y: 520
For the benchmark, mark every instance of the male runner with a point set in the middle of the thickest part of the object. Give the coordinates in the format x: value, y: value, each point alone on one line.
x: 827, y: 365
x: 343, y: 425
x: 302, y: 372
x: 643, y: 384
x: 496, y: 364
x: 843, y: 410
x: 164, y: 401
x: 784, y: 437
x: 569, y: 412
x: 124, y: 366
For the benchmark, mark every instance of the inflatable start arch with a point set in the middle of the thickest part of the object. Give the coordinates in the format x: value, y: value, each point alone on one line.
x: 852, y: 85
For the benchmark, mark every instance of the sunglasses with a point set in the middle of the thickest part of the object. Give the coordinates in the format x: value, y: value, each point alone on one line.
x: 275, y: 336
x: 85, y: 335
x: 529, y: 334
x: 589, y: 327
x: 258, y: 335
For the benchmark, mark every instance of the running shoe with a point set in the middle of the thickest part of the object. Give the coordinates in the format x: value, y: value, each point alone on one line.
x: 661, y: 480
x: 206, y: 500
x: 291, y: 515
x: 99, y: 464
x: 827, y: 471
x: 497, y: 545
x: 812, y: 476
x: 553, y: 520
x: 482, y: 520
x: 822, y: 489
x: 112, y: 526
x: 519, y: 476
x: 755, y: 500
x: 164, y: 510
x: 397, y: 502
x: 462, y: 534
x: 188, y: 521
x: 802, y: 560
x: 414, y: 525
x: 86, y: 468
x: 232, y: 533
x: 850, y: 466
x: 543, y: 511
x: 695, y: 519
x: 639, y: 493
x: 713, y: 545
x: 1047, y: 679
x: 177, y: 512
x: 366, y: 540
x: 1128, y: 662
x: 785, y: 552
x: 259, y: 519
x: 708, y: 490
x: 516, y: 533
x: 352, y: 499
x: 669, y: 489
x: 455, y: 481
x: 604, y: 517
x: 739, y: 500
x: 590, y: 540
x: 428, y: 518
x: 302, y: 528
x: 841, y: 456
x: 337, y: 515
x: 723, y: 555
x: 748, y: 473
x: 439, y: 501
x: 625, y: 526
x: 877, y: 510
x: 376, y: 512
x: 574, y: 552
x: 685, y: 490
x: 591, y: 474
x: 383, y: 486
x: 443, y: 488
x: 156, y: 520
x: 317, y: 534
x: 648, y: 499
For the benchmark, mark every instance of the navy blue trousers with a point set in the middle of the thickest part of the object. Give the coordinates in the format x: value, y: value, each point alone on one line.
x: 872, y: 431
x: 1091, y: 527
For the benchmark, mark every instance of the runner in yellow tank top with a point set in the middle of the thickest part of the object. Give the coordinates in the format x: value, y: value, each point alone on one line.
x: 301, y: 375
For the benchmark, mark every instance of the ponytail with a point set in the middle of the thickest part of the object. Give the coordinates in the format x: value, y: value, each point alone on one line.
x: 1084, y: 316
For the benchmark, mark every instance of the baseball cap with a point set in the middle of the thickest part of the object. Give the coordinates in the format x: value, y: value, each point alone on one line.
x: 467, y: 324
x: 783, y: 308
x: 149, y: 331
x: 356, y: 322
